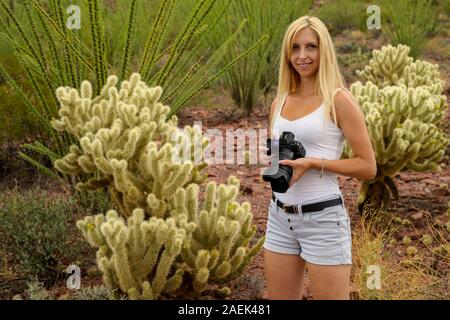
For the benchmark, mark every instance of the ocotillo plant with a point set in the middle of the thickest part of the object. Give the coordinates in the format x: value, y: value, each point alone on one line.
x: 72, y: 55
x: 403, y: 103
x: 410, y: 23
x: 169, y: 244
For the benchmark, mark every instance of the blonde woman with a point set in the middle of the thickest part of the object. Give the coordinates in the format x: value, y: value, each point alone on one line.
x: 308, y: 225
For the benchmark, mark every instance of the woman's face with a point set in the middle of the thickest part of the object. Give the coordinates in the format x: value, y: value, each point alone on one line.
x: 305, y: 53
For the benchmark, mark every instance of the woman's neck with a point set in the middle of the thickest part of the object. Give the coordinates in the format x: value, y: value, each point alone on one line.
x: 306, y: 88
x: 304, y: 92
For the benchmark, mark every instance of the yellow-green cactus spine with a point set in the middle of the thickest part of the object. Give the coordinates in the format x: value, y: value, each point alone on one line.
x: 403, y: 104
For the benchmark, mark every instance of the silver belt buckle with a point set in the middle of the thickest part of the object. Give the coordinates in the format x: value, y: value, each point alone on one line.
x: 296, y: 209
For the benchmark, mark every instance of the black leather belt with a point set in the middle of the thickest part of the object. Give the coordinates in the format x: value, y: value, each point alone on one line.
x: 318, y: 206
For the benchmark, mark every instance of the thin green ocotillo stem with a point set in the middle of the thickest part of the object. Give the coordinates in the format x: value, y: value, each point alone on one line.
x: 178, y: 43
x: 148, y: 45
x: 85, y: 55
x: 53, y: 52
x: 21, y: 32
x: 25, y: 99
x: 69, y: 65
x: 39, y: 59
x: 36, y: 87
x: 241, y: 56
x: 36, y: 36
x: 102, y: 44
x: 188, y: 75
x: 215, y: 58
x: 98, y: 44
x: 166, y: 16
x: 129, y: 41
x: 92, y: 21
x: 190, y: 30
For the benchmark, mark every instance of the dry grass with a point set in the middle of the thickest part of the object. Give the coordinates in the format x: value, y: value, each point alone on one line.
x: 6, y: 269
x: 424, y: 275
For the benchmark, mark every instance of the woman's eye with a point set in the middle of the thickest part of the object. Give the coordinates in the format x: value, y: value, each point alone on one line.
x: 309, y: 46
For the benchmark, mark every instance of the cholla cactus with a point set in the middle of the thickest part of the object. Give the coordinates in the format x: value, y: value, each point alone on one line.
x: 127, y: 145
x: 129, y: 253
x: 404, y: 107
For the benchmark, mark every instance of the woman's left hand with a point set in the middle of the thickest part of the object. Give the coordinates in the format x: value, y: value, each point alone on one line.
x: 299, y: 167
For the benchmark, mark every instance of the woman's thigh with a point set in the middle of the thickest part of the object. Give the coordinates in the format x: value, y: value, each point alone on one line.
x: 284, y: 275
x: 329, y: 282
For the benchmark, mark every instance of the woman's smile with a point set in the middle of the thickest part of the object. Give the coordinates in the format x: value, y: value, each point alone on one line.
x: 304, y: 65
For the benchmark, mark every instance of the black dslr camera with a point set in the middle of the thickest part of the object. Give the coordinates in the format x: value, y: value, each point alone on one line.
x: 289, y: 149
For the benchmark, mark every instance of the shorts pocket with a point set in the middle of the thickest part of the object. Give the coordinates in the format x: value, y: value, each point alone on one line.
x: 326, y: 217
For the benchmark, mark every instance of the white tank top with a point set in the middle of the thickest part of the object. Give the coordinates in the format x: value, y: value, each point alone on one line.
x: 321, y: 138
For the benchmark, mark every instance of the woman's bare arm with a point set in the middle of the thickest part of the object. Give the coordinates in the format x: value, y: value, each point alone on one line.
x: 352, y: 123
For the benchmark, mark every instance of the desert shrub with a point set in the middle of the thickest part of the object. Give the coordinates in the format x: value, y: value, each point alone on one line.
x: 93, y: 293
x: 10, y: 111
x: 340, y: 15
x: 34, y: 230
x: 444, y: 7
x: 36, y: 291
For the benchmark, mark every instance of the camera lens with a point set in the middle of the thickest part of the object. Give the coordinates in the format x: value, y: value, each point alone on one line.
x: 288, y: 149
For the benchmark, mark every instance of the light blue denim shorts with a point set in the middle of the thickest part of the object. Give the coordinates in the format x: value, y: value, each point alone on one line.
x: 320, y: 237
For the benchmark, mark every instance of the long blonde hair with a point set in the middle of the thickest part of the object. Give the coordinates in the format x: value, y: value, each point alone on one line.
x: 329, y: 78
